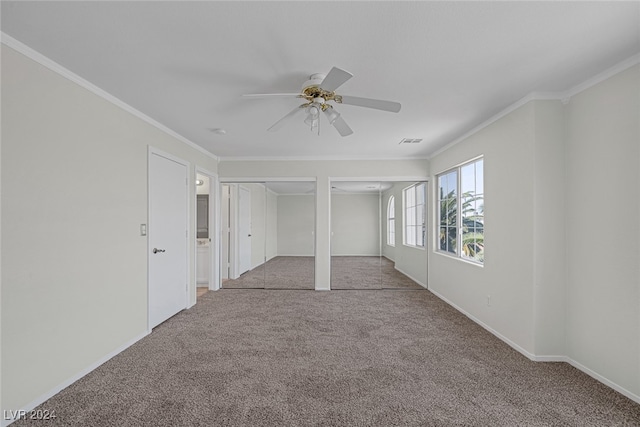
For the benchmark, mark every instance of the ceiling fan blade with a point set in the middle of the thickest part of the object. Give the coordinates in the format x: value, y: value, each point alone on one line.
x: 272, y: 95
x: 342, y: 127
x: 280, y: 123
x: 378, y: 104
x: 335, y: 79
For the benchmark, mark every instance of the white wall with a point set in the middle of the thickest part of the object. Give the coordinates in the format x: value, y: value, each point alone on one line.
x: 355, y: 224
x: 412, y: 262
x: 603, y: 229
x: 74, y: 266
x: 272, y: 224
x: 296, y: 225
x: 549, y: 229
x: 508, y: 271
x: 562, y: 191
x: 322, y: 171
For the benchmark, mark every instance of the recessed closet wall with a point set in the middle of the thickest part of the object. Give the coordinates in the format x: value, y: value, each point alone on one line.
x: 268, y: 235
x: 322, y: 171
x: 364, y: 255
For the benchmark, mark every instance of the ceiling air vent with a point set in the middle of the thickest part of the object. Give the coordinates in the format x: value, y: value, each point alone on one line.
x: 410, y: 141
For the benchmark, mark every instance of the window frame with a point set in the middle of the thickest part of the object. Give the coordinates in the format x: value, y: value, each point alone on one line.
x: 391, y: 221
x: 416, y: 218
x: 459, y: 220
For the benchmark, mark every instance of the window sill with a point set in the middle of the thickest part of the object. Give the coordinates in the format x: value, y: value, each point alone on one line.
x: 457, y: 258
x: 422, y: 248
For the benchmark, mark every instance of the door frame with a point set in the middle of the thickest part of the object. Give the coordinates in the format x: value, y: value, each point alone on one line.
x: 234, y: 183
x: 151, y: 151
x: 428, y: 210
x: 214, y: 227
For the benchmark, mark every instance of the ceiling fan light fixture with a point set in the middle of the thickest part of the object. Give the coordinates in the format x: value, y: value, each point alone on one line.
x: 313, y: 116
x: 313, y: 111
x: 331, y: 114
x: 318, y: 91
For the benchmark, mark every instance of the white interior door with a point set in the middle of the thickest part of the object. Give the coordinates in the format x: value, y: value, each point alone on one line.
x: 168, y: 241
x: 244, y: 230
x: 225, y: 230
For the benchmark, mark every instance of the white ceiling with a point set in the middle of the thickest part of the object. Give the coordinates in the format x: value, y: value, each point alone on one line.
x: 452, y: 65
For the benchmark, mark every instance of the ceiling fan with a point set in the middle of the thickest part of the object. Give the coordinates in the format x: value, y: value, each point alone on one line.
x: 318, y: 91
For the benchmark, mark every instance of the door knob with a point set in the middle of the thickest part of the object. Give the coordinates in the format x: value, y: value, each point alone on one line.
x: 249, y: 235
x: 156, y: 250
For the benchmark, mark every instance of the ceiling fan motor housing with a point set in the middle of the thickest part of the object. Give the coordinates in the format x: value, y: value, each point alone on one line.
x: 314, y: 81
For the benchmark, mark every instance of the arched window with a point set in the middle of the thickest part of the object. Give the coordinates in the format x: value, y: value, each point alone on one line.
x: 391, y: 222
x: 413, y: 204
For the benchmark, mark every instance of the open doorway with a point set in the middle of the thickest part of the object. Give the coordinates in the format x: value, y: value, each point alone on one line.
x: 205, y: 230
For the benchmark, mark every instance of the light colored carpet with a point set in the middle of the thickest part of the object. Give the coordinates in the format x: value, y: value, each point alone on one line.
x: 347, y: 272
x: 282, y: 272
x: 339, y: 358
x: 361, y: 272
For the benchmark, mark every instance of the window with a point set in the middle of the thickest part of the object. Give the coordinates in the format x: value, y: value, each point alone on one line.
x: 391, y: 221
x: 461, y: 202
x: 414, y: 214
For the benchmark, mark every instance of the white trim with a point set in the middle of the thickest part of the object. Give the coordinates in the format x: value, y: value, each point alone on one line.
x: 214, y: 201
x: 394, y: 179
x: 377, y: 254
x: 274, y: 193
x: 544, y: 358
x: 66, y: 383
x: 600, y: 77
x: 390, y: 259
x: 409, y: 276
x: 512, y: 344
x: 292, y: 255
x: 315, y: 158
x: 66, y: 73
x: 293, y: 194
x: 262, y: 180
x: 150, y: 151
x: 387, y: 220
x: 562, y: 96
x: 455, y: 257
x: 551, y: 358
x: 452, y: 168
x: 339, y: 192
x: 605, y: 381
x: 530, y: 97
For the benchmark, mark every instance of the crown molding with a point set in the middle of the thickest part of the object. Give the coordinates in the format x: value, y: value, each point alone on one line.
x: 562, y: 96
x: 36, y: 56
x: 534, y: 96
x: 606, y: 74
x: 313, y: 158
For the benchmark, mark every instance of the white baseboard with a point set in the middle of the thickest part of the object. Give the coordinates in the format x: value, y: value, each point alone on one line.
x: 545, y: 358
x: 57, y: 389
x: 512, y: 344
x: 412, y: 278
x: 363, y: 255
x: 299, y: 255
x: 603, y: 380
x: 550, y: 358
